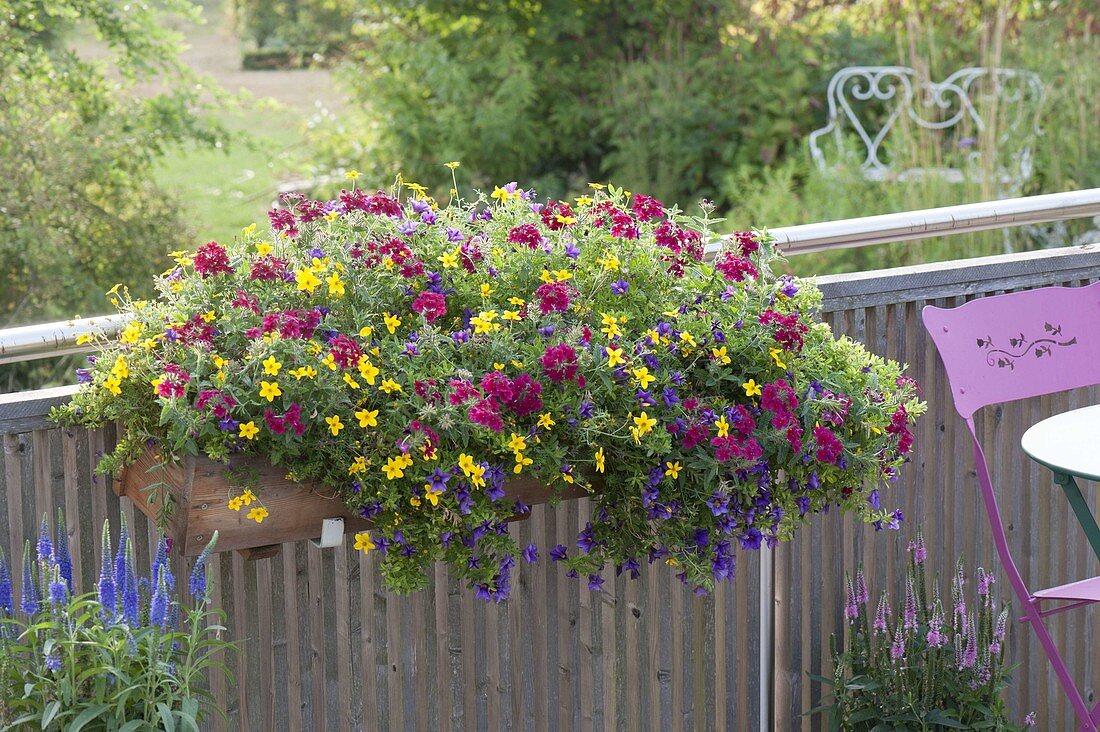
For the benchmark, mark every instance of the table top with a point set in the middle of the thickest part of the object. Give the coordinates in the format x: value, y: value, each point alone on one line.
x: 1067, y: 442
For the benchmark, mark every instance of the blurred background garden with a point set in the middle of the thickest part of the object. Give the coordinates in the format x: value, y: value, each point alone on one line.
x: 128, y: 131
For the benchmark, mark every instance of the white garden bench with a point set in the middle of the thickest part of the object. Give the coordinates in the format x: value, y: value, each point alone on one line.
x: 869, y: 101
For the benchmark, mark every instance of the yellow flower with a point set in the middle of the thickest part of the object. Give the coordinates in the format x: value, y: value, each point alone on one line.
x: 219, y: 362
x: 304, y: 372
x: 334, y: 424
x: 248, y: 497
x: 389, y: 386
x: 452, y: 165
x: 466, y: 463
x: 644, y: 424
x: 672, y: 470
x: 264, y: 248
x: 546, y: 421
x: 335, y: 285
x: 358, y: 466
x: 486, y: 290
x: 367, y: 370
x: 414, y: 502
x: 517, y: 301
x: 610, y: 262
x: 720, y: 355
x: 111, y: 384
x: 599, y: 460
x: 351, y: 175
x: 121, y: 369
x: 477, y: 476
x: 209, y: 316
x: 307, y: 281
x: 561, y: 275
x: 520, y: 462
x: 497, y: 366
x: 131, y: 333
x: 236, y: 503
x: 258, y: 514
x: 249, y: 430
x: 432, y: 495
x: 392, y: 321
x: 352, y: 383
x: 751, y: 388
x: 517, y: 443
x: 365, y: 331
x: 329, y: 361
x: 483, y: 323
x: 512, y: 315
x: 775, y: 354
x: 394, y: 467
x: 85, y: 338
x: 614, y: 356
x: 688, y: 338
x: 272, y: 366
x: 367, y: 417
x: 597, y: 186
x: 363, y: 542
x: 546, y: 276
x: 643, y: 377
x: 269, y: 390
x: 503, y: 195
x: 449, y: 259
x: 723, y: 426
x: 583, y: 201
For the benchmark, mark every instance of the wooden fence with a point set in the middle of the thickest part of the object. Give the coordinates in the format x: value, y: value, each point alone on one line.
x: 325, y: 647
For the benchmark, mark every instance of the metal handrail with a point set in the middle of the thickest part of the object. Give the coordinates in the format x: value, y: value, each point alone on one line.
x: 46, y: 340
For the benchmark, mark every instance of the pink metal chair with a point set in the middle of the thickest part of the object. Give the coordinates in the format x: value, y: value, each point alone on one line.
x: 1007, y: 347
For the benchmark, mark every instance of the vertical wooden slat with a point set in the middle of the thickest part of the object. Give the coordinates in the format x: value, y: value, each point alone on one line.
x: 540, y: 619
x: 70, y: 475
x: 13, y: 482
x: 343, y: 634
x: 265, y: 647
x: 442, y: 648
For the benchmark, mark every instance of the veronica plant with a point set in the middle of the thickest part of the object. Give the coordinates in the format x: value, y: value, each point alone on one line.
x: 935, y: 663
x: 127, y: 656
x: 412, y: 357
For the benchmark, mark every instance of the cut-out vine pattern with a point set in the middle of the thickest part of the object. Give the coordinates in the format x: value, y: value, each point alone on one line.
x: 1020, y: 346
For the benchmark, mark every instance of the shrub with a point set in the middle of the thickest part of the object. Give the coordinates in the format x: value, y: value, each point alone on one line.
x: 412, y: 357
x: 925, y: 667
x: 112, y: 659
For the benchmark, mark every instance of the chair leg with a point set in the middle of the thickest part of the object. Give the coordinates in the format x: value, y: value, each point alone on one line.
x: 1069, y: 687
x: 1080, y: 509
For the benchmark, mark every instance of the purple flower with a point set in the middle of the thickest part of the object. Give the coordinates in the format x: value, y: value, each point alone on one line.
x: 53, y: 661
x: 1029, y: 720
x: 595, y: 582
x: 531, y: 554
x: 909, y: 615
x: 558, y: 553
x: 585, y: 541
x: 879, y: 624
x: 58, y: 592
x: 158, y: 605
x: 83, y: 376
x: 7, y: 600
x: 920, y: 553
x: 897, y: 648
x: 861, y: 587
x: 620, y: 287
x: 29, y: 602
x: 851, y: 607
x: 408, y: 228
x: 571, y: 250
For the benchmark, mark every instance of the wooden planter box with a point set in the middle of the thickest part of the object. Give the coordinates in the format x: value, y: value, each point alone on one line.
x: 200, y: 491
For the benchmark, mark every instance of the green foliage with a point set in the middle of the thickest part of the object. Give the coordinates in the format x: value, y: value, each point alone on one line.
x: 80, y: 210
x: 937, y: 664
x: 74, y: 663
x: 411, y: 357
x: 315, y: 25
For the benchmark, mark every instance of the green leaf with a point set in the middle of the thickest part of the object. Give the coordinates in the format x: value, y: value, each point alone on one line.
x: 50, y: 712
x: 863, y: 715
x: 820, y: 678
x: 166, y: 717
x: 87, y: 716
x: 943, y: 719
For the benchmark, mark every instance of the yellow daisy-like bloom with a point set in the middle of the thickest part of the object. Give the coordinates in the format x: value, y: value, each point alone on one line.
x: 248, y: 497
x: 264, y: 248
x: 517, y: 301
x: 131, y: 333
x: 367, y: 370
x: 235, y: 503
x: 432, y: 495
x: 599, y: 460
x: 643, y: 377
x: 389, y: 386
x: 672, y: 470
x: 614, y: 356
x: 776, y: 354
x: 483, y: 322
x: 723, y: 426
x: 751, y: 388
x: 687, y: 338
x: 359, y: 465
x: 546, y: 421
x: 517, y: 443
x: 272, y: 366
x: 477, y: 476
x: 335, y: 285
x: 307, y: 281
x: 209, y: 316
x: 452, y: 165
x: 449, y: 259
x: 609, y: 262
x: 521, y: 462
x: 394, y: 467
x: 351, y: 175
x: 486, y: 289
x: 329, y: 361
x: 121, y: 369
x: 644, y: 423
x: 269, y: 390
x: 352, y: 383
x: 466, y: 463
x: 249, y: 430
x: 112, y: 384
x: 258, y: 514
x: 391, y: 321
x: 363, y: 542
x: 720, y: 355
x: 561, y: 275
x: 367, y: 417
x: 512, y: 315
x: 334, y: 424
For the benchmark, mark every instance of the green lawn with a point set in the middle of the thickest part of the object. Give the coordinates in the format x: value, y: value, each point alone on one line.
x: 222, y: 191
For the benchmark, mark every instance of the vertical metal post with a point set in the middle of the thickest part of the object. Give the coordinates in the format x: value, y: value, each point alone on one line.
x: 767, y: 636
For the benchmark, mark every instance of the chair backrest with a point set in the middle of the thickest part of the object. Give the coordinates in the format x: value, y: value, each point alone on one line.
x: 1022, y: 344
x: 869, y: 100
